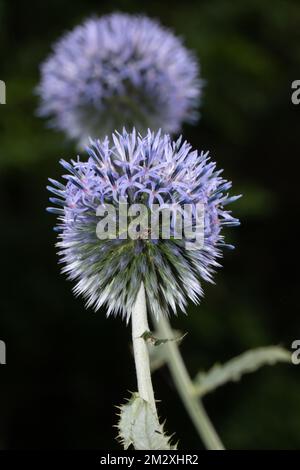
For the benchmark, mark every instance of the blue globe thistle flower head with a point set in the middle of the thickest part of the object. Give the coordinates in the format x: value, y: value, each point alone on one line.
x: 119, y: 70
x: 154, y: 171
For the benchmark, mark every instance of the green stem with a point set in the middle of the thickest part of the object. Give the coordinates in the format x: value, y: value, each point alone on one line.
x: 185, y: 389
x: 141, y: 356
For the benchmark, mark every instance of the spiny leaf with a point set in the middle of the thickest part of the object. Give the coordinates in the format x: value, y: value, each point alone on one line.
x: 139, y: 426
x: 236, y: 367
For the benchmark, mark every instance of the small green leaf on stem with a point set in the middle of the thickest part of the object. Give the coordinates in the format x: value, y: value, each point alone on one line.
x: 150, y: 338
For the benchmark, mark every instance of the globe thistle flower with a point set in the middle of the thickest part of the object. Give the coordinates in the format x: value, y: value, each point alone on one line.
x: 152, y: 170
x: 119, y: 70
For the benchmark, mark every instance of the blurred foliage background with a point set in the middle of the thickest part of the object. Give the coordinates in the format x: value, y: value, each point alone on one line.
x: 68, y: 367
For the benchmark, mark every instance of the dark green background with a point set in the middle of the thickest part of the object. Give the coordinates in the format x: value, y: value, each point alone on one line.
x: 68, y: 367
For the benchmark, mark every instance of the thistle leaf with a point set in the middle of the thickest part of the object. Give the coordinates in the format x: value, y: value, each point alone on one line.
x: 139, y: 427
x: 232, y: 370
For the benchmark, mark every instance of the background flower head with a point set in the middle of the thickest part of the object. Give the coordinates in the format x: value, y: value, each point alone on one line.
x: 150, y: 169
x: 119, y: 70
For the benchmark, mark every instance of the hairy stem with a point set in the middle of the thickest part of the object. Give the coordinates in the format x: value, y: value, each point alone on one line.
x: 185, y: 388
x: 142, y: 364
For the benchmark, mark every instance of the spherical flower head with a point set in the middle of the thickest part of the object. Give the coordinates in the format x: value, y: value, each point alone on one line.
x: 119, y: 70
x: 154, y: 172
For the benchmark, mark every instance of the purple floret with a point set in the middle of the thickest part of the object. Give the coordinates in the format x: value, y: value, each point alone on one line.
x: 119, y: 70
x: 151, y: 170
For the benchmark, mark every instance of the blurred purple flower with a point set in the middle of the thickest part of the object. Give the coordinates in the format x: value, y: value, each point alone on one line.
x: 143, y: 170
x: 119, y: 70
